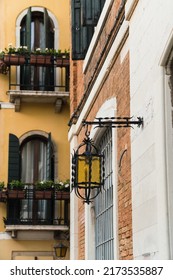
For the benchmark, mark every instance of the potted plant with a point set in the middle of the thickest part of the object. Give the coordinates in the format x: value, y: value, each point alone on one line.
x: 14, y: 55
x: 3, y: 66
x: 62, y: 190
x: 62, y: 58
x: 2, y: 192
x: 44, y: 189
x: 16, y: 189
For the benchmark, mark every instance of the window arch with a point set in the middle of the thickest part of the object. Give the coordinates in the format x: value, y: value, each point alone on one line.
x: 32, y: 159
x: 36, y: 28
x: 38, y: 9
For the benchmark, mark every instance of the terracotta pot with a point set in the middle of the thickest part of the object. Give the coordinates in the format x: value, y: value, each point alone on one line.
x: 43, y: 194
x: 3, y: 195
x: 40, y: 59
x: 16, y: 194
x: 62, y: 61
x: 61, y: 195
x: 14, y: 59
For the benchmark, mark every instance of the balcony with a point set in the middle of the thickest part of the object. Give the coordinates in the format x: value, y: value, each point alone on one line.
x: 35, y: 210
x: 38, y: 79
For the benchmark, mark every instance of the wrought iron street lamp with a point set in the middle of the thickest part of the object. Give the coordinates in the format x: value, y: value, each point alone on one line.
x: 88, y: 163
x: 87, y: 170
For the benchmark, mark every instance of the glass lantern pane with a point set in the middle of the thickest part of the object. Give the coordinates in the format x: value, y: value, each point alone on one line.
x: 88, y: 170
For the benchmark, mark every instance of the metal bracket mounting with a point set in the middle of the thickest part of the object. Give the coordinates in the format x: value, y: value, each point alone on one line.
x: 115, y: 122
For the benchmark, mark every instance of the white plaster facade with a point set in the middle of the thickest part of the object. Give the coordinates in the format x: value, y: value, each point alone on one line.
x: 150, y: 37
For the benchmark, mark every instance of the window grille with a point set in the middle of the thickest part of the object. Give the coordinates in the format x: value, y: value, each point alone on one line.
x: 104, y: 237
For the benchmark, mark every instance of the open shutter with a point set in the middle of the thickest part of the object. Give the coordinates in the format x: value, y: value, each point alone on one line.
x: 13, y: 158
x: 91, y: 11
x: 47, y: 30
x: 81, y: 35
x: 25, y: 71
x: 48, y: 163
x: 28, y: 29
x: 48, y: 43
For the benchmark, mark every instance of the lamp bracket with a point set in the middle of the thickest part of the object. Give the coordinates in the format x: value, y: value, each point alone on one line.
x: 115, y: 122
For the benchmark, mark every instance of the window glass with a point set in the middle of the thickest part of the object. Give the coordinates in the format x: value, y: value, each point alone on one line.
x: 33, y: 161
x: 104, y: 234
x: 37, y: 31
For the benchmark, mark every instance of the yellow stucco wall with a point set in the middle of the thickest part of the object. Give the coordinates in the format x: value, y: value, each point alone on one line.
x: 10, y: 10
x: 32, y: 116
x: 36, y: 117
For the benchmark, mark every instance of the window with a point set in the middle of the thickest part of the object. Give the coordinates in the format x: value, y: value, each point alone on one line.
x: 37, y: 31
x: 32, y: 161
x: 104, y: 237
x: 85, y: 15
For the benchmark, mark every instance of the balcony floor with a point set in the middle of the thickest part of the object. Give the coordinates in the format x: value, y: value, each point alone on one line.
x: 37, y: 227
x: 22, y: 96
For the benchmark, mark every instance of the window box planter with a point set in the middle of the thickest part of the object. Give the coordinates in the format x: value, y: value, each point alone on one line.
x: 13, y: 194
x: 62, y: 60
x: 14, y: 59
x: 41, y: 60
x: 62, y: 195
x: 3, y: 195
x: 43, y: 194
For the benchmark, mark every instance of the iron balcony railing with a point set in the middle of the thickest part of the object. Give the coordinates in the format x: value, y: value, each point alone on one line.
x: 40, y: 78
x: 30, y: 206
x: 38, y: 72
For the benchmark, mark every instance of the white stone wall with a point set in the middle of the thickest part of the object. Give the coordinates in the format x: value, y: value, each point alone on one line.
x: 150, y: 27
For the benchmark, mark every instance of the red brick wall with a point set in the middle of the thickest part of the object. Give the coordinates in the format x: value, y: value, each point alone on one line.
x: 116, y: 85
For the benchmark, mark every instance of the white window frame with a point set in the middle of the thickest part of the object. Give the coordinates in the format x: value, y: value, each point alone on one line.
x: 108, y: 109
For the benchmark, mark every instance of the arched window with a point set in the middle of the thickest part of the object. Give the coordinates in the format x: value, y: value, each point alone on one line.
x: 37, y: 31
x: 32, y: 161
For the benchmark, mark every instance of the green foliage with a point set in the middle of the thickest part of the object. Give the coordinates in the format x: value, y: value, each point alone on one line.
x: 16, y: 184
x: 43, y: 185
x: 1, y: 186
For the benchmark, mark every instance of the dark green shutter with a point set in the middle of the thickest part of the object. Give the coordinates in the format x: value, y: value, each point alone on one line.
x: 81, y: 35
x: 91, y: 11
x: 13, y: 158
x: 28, y: 29
x: 47, y: 30
x: 48, y: 43
x: 25, y: 72
x: 48, y: 165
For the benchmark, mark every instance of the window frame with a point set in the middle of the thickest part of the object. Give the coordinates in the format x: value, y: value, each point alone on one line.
x: 56, y: 35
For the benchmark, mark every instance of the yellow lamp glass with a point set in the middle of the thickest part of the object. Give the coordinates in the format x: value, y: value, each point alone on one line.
x: 60, y: 250
x: 88, y: 170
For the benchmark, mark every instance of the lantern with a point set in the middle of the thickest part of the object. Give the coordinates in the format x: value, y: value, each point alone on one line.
x: 60, y: 250
x: 87, y: 171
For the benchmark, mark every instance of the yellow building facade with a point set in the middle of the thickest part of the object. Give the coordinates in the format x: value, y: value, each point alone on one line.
x: 34, y: 112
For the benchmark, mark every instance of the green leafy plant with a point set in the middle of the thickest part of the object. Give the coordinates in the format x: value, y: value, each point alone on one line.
x: 1, y: 186
x: 53, y: 52
x: 16, y: 184
x: 2, y: 54
x: 65, y: 186
x: 16, y: 50
x: 24, y: 50
x: 43, y: 185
